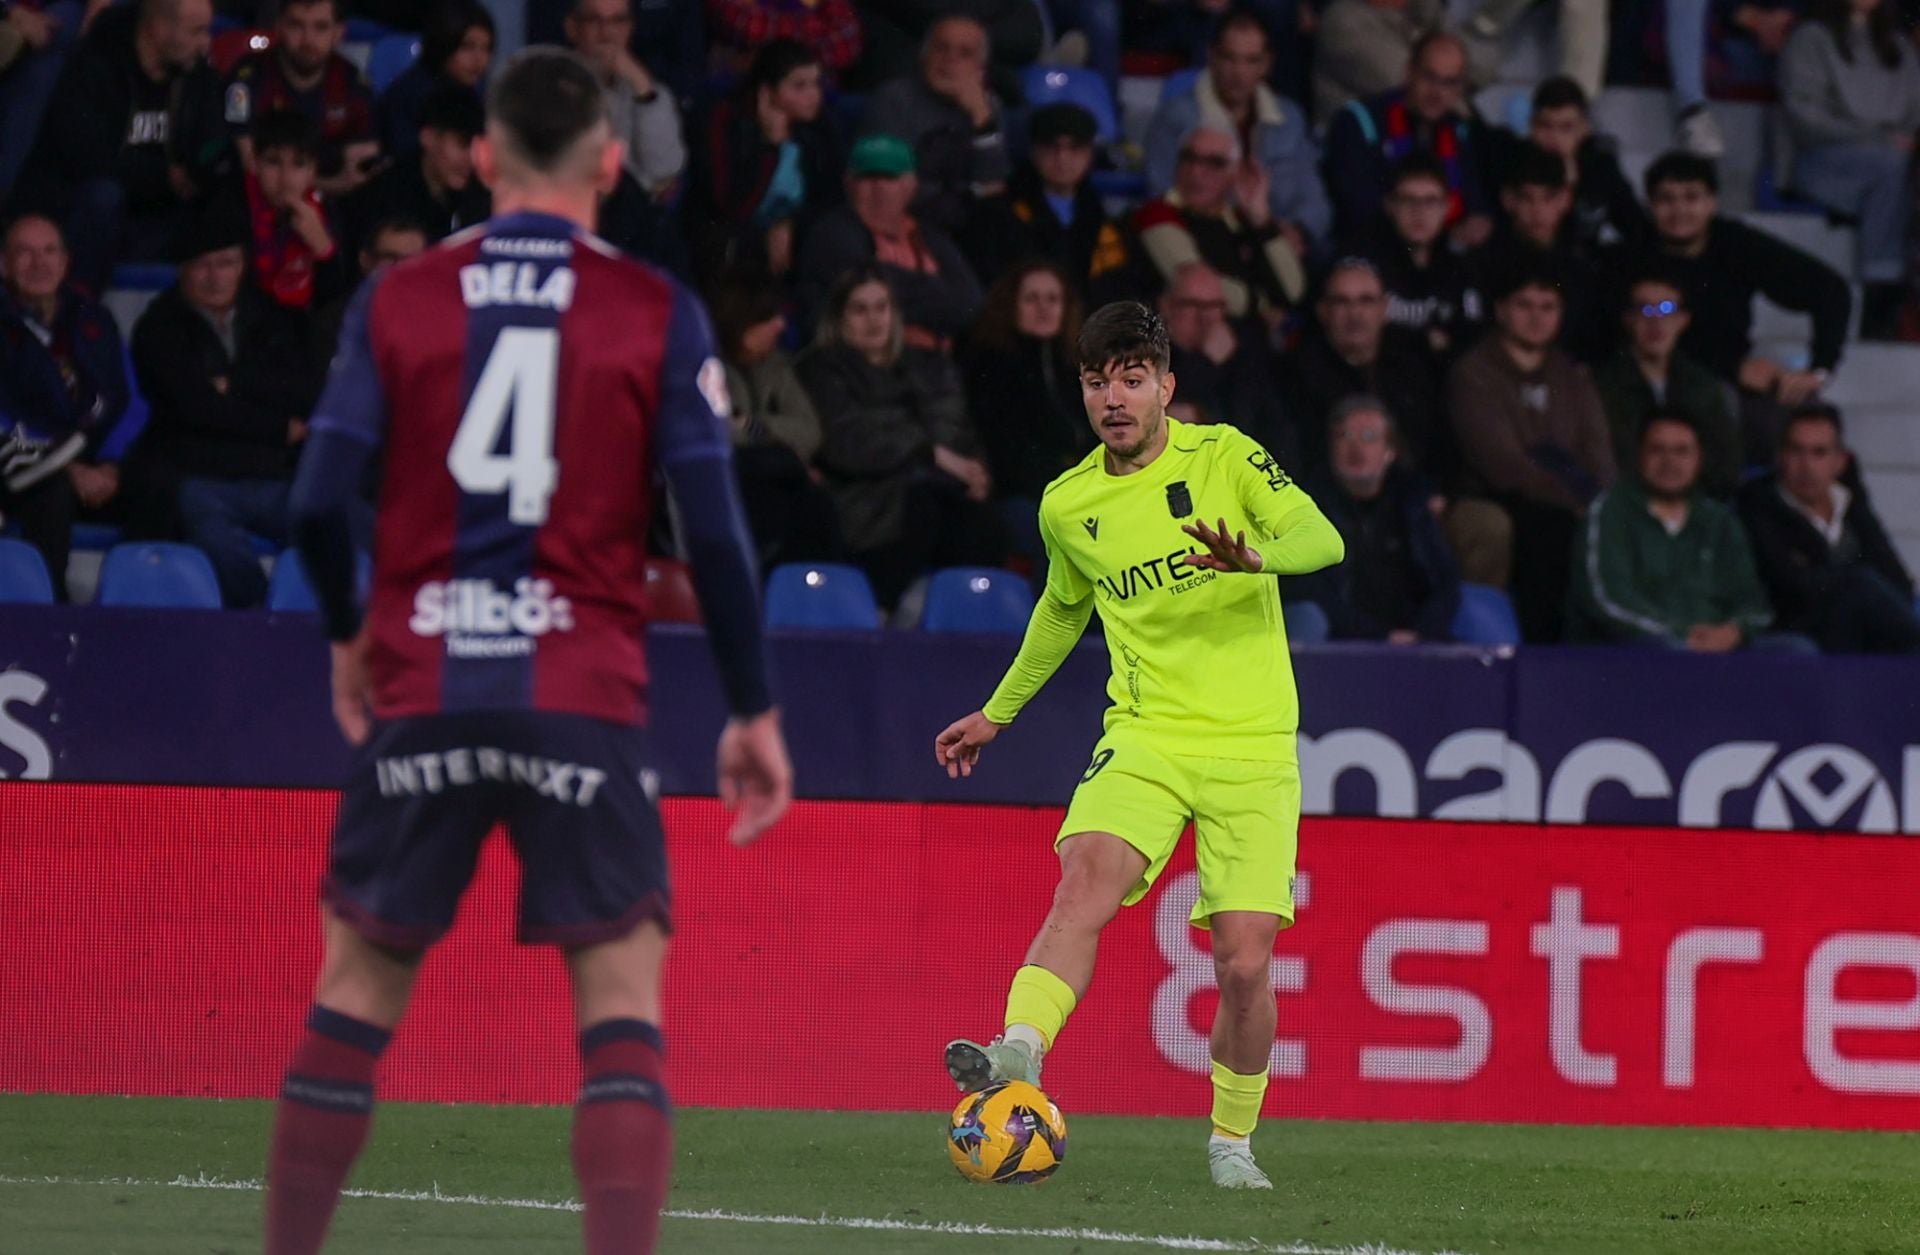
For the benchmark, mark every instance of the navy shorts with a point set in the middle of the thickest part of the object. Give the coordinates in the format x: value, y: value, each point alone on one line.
x: 576, y: 796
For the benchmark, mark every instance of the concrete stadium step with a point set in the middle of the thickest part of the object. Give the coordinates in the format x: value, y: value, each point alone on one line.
x: 1878, y: 376
x: 1883, y: 438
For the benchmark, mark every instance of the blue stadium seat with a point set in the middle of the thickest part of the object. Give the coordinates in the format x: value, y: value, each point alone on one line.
x: 1180, y: 82
x: 364, y: 30
x: 392, y: 56
x: 1075, y: 85
x: 820, y: 595
x: 290, y: 591
x: 158, y: 574
x: 23, y: 575
x: 95, y: 536
x: 1485, y: 617
x: 143, y: 276
x: 1307, y: 623
x: 977, y: 599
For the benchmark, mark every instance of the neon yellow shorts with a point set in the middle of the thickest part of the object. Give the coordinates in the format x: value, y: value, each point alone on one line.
x: 1245, y: 816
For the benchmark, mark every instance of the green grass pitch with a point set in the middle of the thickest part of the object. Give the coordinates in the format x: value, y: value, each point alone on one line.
x: 109, y: 1176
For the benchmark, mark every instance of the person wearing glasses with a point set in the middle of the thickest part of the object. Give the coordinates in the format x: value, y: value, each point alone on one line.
x: 1650, y: 373
x: 1367, y: 138
x: 640, y: 109
x: 1431, y: 289
x: 1217, y: 212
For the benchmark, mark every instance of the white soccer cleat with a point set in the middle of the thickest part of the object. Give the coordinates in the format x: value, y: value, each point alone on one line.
x: 1233, y: 1166
x: 973, y: 1066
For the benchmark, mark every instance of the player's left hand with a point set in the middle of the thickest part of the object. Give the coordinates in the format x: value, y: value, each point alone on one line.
x: 1225, y: 551
x: 350, y: 689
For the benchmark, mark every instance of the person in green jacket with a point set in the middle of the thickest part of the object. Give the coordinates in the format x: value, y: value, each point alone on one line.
x: 1660, y: 563
x: 1649, y: 372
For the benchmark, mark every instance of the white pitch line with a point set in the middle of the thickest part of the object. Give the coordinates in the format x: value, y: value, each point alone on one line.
x: 955, y: 1227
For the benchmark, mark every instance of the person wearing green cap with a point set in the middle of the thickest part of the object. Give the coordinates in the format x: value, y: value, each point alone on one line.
x: 938, y: 294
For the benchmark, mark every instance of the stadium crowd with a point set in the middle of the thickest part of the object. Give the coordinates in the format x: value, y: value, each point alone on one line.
x: 1491, y: 358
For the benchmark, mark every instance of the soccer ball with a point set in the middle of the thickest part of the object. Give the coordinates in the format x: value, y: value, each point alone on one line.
x: 1010, y: 1134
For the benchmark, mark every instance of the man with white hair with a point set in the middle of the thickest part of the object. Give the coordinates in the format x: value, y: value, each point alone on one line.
x: 1217, y: 212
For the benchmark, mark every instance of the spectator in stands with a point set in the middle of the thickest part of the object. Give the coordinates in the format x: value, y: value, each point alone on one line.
x: 1399, y: 583
x: 68, y: 414
x: 132, y: 137
x: 1661, y: 563
x: 642, y: 111
x: 897, y: 35
x: 1430, y: 288
x: 765, y: 165
x: 1533, y: 443
x: 937, y: 294
x: 456, y: 46
x: 1224, y: 366
x: 390, y: 240
x: 1352, y: 349
x: 436, y: 187
x: 292, y: 249
x: 1051, y: 210
x: 1605, y: 210
x: 1536, y: 224
x: 35, y: 43
x: 1273, y: 134
x: 1850, y: 81
x: 830, y: 29
x: 1721, y: 263
x: 1363, y: 46
x: 670, y: 36
x: 776, y: 430
x: 1218, y: 212
x: 304, y: 71
x: 1649, y: 374
x: 1098, y: 23
x: 899, y: 456
x: 956, y: 124
x: 1368, y: 139
x: 231, y: 383
x: 1823, y: 554
x: 1022, y: 376
x: 1582, y: 39
x: 1752, y: 35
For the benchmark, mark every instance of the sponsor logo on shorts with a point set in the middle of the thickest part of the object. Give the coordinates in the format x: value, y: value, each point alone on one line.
x: 482, y: 620
x: 435, y: 772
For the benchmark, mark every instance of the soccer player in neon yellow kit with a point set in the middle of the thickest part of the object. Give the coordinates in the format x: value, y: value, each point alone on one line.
x: 1203, y: 715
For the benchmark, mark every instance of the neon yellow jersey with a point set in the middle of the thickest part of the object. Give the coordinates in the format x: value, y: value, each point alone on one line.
x: 1199, y: 657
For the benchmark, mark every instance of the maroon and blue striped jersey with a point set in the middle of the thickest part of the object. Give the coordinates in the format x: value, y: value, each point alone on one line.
x: 524, y: 382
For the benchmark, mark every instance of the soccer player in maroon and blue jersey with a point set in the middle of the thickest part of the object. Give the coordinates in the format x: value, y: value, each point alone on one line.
x: 523, y: 381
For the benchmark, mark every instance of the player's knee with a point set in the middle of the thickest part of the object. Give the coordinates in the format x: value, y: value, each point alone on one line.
x: 1087, y: 894
x: 1242, y: 974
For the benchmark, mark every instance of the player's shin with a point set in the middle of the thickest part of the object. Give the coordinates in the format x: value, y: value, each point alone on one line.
x: 325, y: 1112
x: 1236, y: 1101
x: 622, y: 1136
x: 1038, y: 1004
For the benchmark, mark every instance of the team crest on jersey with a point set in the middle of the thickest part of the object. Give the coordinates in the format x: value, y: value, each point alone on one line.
x: 1263, y: 462
x: 712, y: 382
x: 239, y: 104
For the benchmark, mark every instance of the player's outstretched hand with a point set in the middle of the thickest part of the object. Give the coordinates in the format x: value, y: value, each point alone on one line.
x: 350, y: 689
x: 1226, y: 551
x: 958, y: 748
x: 756, y: 780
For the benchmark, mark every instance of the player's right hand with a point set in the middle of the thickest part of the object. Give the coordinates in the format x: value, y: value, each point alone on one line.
x: 958, y: 748
x: 350, y: 689
x: 756, y: 780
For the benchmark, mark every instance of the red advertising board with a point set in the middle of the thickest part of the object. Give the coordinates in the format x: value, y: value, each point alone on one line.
x: 163, y: 941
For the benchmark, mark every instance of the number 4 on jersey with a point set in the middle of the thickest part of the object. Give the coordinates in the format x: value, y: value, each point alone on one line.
x: 517, y: 382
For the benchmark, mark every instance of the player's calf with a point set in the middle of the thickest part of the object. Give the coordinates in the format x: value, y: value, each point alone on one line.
x: 324, y: 1115
x: 622, y: 1136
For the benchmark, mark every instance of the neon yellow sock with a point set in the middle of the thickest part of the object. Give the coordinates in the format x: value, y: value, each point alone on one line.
x: 1041, y: 999
x: 1236, y: 1101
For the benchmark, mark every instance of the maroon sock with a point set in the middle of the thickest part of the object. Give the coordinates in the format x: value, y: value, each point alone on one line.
x: 622, y: 1137
x: 326, y: 1108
